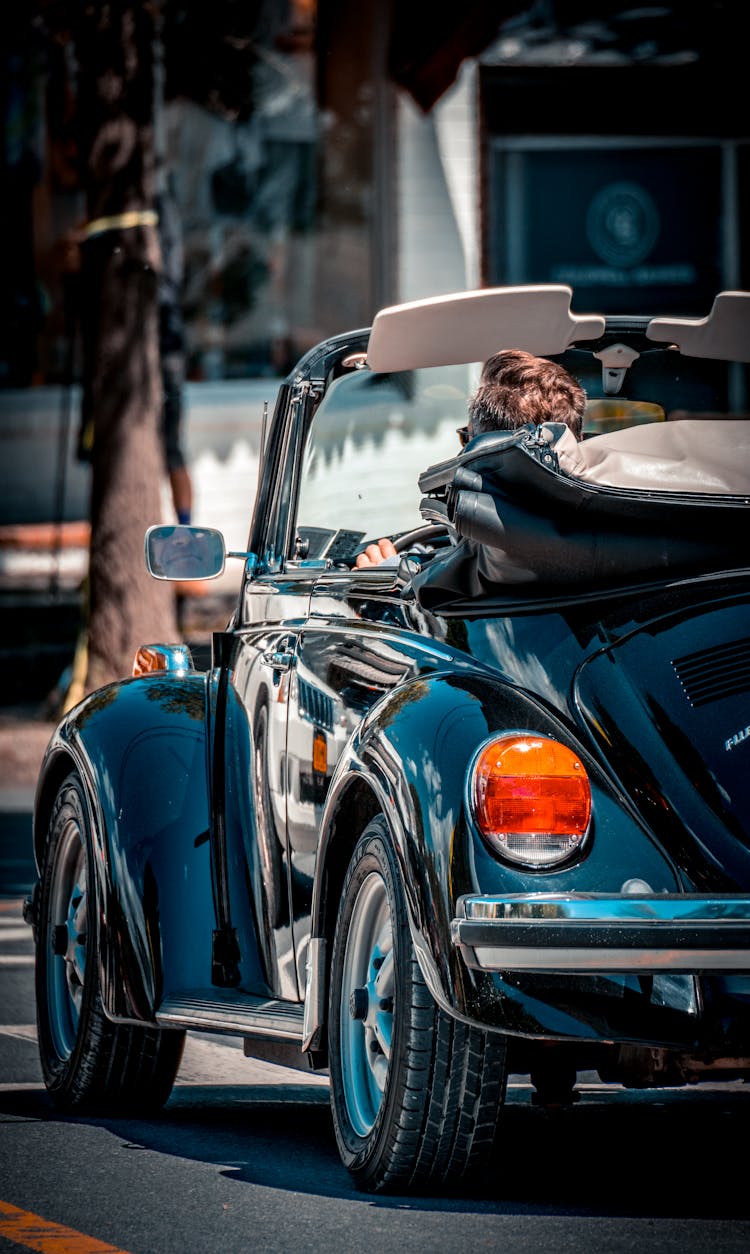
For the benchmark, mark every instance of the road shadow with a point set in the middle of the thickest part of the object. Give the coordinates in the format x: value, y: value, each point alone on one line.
x: 651, y: 1155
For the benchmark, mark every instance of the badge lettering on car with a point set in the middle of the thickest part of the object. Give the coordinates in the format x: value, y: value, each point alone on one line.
x: 737, y: 739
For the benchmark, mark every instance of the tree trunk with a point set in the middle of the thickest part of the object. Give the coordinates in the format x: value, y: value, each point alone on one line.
x: 122, y: 376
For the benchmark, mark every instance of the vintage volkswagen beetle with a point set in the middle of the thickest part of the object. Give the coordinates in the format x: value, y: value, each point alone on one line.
x: 486, y: 811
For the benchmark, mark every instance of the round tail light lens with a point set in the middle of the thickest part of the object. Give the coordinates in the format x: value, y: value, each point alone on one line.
x: 531, y: 799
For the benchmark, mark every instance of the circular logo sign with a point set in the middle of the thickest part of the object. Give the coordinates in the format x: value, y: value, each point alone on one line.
x: 622, y: 224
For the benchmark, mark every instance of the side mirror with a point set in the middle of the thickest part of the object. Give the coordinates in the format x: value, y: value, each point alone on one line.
x: 177, y: 552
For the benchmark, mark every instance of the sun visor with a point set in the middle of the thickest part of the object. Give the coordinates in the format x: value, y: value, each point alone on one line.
x: 471, y: 326
x: 724, y: 335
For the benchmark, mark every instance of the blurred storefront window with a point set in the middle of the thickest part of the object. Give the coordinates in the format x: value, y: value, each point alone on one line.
x: 256, y: 171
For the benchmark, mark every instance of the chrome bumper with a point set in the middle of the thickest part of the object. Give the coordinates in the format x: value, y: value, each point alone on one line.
x: 587, y: 933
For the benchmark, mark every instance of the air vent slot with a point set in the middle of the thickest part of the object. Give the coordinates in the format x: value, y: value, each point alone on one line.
x: 314, y: 705
x: 711, y: 674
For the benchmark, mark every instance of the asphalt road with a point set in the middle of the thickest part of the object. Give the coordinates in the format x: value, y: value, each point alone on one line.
x: 243, y: 1158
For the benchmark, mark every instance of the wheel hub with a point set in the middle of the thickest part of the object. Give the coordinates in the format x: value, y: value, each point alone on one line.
x: 359, y: 1003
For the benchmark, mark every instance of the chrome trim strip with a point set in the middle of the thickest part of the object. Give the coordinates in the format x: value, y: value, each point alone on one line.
x: 586, y: 933
x: 615, y: 908
x: 613, y: 961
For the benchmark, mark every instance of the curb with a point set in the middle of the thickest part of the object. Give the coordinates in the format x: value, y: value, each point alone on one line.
x: 17, y: 800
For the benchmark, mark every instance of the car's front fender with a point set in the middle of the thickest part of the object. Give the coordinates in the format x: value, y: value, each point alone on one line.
x: 140, y: 748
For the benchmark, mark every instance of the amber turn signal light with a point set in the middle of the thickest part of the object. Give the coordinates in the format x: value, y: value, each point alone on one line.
x: 531, y: 799
x: 148, y: 660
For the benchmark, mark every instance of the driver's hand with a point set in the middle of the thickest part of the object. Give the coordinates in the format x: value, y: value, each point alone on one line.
x: 374, y: 554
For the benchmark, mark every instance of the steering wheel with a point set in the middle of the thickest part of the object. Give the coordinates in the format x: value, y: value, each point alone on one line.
x: 422, y: 535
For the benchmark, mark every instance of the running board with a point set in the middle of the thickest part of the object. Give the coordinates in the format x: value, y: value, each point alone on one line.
x: 236, y: 1013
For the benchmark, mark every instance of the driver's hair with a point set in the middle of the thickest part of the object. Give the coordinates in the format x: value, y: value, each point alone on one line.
x: 516, y: 388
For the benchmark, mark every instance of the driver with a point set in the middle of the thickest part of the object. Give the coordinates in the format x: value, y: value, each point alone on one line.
x: 515, y: 388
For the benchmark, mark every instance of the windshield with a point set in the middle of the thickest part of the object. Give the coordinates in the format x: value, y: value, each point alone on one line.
x: 371, y: 438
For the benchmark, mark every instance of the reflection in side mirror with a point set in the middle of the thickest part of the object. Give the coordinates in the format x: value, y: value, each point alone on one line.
x: 177, y: 552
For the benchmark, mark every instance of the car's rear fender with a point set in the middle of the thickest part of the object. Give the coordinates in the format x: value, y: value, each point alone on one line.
x: 410, y: 760
x: 141, y: 750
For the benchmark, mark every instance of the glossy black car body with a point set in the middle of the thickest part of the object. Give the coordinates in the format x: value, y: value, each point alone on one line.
x: 323, y: 768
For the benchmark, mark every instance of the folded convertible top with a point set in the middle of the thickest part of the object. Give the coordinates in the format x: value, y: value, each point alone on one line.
x: 535, y: 506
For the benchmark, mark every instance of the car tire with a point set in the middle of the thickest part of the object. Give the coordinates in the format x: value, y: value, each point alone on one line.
x: 416, y: 1095
x: 88, y: 1062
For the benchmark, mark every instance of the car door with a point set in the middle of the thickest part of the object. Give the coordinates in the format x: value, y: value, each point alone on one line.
x: 260, y: 652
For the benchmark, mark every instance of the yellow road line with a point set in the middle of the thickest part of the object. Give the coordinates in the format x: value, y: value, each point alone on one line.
x: 25, y: 1228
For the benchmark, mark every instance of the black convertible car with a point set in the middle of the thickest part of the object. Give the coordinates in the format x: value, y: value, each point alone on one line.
x: 482, y: 811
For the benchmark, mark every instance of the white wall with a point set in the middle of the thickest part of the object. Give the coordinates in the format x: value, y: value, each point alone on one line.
x: 437, y: 198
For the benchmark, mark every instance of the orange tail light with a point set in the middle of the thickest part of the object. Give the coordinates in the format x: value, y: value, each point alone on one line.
x: 531, y: 799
